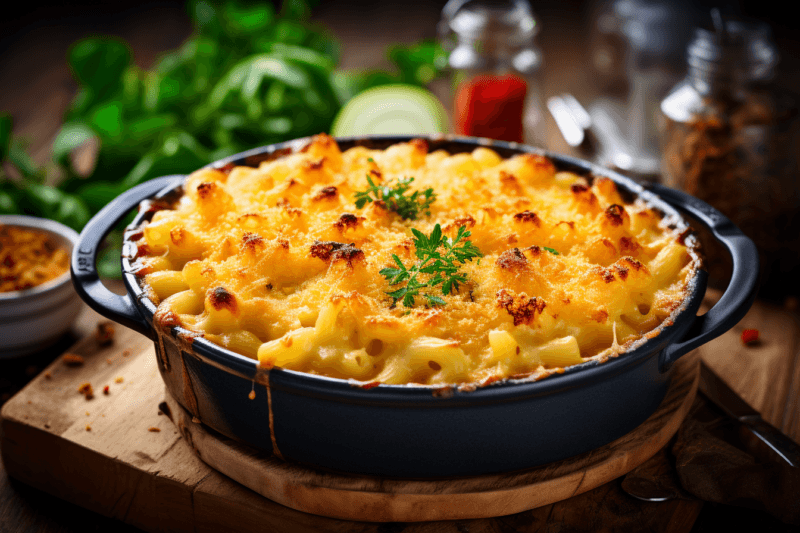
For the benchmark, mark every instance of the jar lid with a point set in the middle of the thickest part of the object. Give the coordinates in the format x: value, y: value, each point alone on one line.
x: 745, y: 50
x: 509, y: 21
x: 659, y: 29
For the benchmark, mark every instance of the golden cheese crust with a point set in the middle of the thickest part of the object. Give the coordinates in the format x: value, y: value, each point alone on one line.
x: 29, y: 258
x: 278, y: 263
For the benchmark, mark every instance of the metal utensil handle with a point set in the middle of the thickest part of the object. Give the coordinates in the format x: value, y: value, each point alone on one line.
x: 741, y: 291
x: 788, y: 449
x: 83, y: 266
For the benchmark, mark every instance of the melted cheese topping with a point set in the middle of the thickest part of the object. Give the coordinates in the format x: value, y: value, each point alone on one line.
x: 278, y: 264
x: 28, y: 259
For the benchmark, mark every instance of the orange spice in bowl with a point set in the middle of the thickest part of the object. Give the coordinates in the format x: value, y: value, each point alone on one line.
x: 38, y: 303
x: 29, y: 258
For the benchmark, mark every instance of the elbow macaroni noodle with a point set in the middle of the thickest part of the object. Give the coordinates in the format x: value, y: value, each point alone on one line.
x: 277, y: 263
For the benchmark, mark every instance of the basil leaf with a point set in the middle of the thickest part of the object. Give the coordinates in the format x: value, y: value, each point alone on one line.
x: 247, y: 77
x: 131, y: 92
x: 277, y: 126
x: 180, y: 153
x: 147, y: 129
x: 99, y: 63
x: 6, y: 124
x: 159, y: 91
x: 185, y: 147
x: 109, y: 264
x: 348, y: 83
x: 84, y: 99
x: 296, y: 9
x: 326, y: 44
x: 98, y: 193
x: 152, y: 165
x: 72, y: 212
x: 41, y: 200
x: 107, y: 120
x: 225, y: 151
x: 247, y: 19
x: 265, y: 66
x: 194, y: 67
x: 420, y: 63
x: 8, y: 204
x: 288, y: 31
x: 275, y: 98
x: 204, y: 16
x: 115, y: 158
x: 18, y: 156
x: 69, y: 137
x: 303, y: 55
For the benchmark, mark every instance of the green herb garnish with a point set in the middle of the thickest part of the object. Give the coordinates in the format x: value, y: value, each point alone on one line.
x: 551, y: 250
x: 249, y: 75
x: 441, y: 265
x: 393, y: 195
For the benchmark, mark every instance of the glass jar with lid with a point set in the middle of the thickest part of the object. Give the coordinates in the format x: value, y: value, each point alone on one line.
x: 731, y: 137
x: 637, y: 55
x: 495, y: 67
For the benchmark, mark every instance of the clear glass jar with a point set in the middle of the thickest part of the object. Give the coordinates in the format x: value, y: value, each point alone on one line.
x: 608, y: 45
x: 495, y: 69
x: 731, y: 137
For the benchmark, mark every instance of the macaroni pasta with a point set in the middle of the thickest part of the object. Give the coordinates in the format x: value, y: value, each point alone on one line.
x: 277, y: 263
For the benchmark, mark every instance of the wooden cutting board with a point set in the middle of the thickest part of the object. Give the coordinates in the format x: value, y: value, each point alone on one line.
x: 355, y: 497
x: 117, y: 454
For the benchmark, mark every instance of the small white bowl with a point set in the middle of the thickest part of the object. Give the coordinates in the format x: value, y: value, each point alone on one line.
x: 35, y: 318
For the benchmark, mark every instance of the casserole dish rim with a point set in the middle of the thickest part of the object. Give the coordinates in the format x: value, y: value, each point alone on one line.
x: 669, y: 330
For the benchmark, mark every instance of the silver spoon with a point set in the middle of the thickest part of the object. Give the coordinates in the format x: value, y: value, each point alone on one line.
x: 647, y: 490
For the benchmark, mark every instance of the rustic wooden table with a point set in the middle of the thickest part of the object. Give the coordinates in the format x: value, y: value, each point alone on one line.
x: 36, y: 87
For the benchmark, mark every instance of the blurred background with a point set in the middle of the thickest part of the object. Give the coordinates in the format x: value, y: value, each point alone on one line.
x: 100, y: 96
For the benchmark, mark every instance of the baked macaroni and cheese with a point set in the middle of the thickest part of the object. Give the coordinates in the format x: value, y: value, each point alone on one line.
x: 405, y: 266
x: 29, y: 258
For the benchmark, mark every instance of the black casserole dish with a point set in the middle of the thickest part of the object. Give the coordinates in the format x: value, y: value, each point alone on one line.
x: 406, y: 431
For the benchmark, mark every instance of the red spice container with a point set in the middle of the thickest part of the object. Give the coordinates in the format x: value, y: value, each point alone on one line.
x: 491, y: 106
x: 495, y: 69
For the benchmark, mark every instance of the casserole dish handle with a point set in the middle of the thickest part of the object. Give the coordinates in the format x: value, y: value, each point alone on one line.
x: 83, y: 264
x: 741, y: 290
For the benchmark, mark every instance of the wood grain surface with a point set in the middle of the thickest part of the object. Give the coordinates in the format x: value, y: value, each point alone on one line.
x: 766, y: 373
x: 116, y: 454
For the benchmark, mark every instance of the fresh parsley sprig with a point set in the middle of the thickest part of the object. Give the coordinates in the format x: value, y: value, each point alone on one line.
x: 439, y: 256
x: 393, y: 195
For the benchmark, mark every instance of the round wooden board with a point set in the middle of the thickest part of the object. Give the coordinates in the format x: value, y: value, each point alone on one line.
x: 374, y: 499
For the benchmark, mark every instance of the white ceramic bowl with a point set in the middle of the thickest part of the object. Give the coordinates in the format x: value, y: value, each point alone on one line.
x: 34, y: 318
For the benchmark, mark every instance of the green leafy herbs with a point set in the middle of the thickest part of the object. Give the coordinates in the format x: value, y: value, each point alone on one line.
x: 552, y: 251
x: 248, y: 76
x: 419, y: 63
x: 439, y: 259
x: 416, y: 64
x: 394, y: 197
x: 5, y: 134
